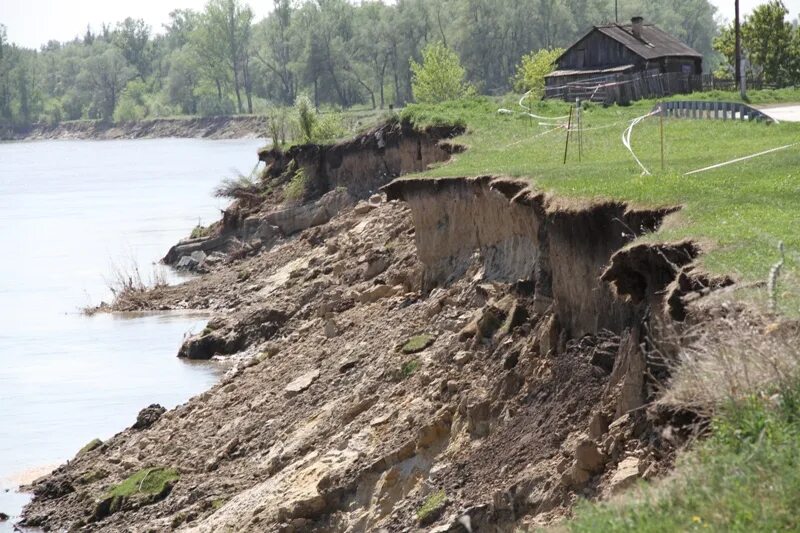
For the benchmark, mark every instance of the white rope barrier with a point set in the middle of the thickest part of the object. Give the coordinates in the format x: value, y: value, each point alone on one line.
x: 740, y: 159
x: 559, y: 127
x: 626, y: 139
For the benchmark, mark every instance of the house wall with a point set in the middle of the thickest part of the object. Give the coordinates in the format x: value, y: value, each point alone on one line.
x: 597, y: 50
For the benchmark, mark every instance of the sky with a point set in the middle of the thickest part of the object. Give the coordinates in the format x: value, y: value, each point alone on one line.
x: 32, y: 23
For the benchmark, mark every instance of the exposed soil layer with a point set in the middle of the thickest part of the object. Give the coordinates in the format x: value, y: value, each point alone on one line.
x: 234, y: 127
x: 330, y: 178
x: 456, y: 352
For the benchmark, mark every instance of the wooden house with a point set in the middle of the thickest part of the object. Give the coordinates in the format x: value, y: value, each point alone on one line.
x: 608, y: 51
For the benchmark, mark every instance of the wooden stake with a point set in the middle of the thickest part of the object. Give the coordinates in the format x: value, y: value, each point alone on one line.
x: 569, y: 127
x: 661, y: 121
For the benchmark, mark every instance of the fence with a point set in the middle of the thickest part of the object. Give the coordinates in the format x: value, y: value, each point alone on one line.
x: 712, y: 110
x: 625, y: 88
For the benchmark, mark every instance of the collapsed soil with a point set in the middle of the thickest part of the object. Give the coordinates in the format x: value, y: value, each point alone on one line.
x: 326, y: 423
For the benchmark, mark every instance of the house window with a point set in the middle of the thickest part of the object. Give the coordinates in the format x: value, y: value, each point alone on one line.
x: 686, y: 69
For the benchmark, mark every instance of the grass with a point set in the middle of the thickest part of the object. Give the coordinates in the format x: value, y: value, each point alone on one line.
x: 149, y: 481
x: 738, y: 213
x: 745, y: 477
x: 408, y: 368
x: 417, y: 343
x: 432, y: 504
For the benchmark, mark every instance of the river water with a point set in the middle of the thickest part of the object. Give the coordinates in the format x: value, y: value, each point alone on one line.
x: 71, y: 212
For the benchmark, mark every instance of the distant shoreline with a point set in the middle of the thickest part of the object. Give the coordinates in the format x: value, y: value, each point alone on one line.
x: 226, y: 127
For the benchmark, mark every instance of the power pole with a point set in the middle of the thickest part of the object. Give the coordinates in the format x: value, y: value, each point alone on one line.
x: 616, y: 10
x: 738, y: 74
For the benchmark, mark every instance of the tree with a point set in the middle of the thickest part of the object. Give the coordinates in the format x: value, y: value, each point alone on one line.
x: 532, y: 70
x: 440, y: 76
x: 767, y: 37
x: 132, y: 37
x: 105, y: 73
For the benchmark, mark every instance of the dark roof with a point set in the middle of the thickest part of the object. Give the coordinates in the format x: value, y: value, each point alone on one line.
x: 654, y: 42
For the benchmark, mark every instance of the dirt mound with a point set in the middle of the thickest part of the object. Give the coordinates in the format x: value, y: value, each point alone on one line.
x: 372, y: 389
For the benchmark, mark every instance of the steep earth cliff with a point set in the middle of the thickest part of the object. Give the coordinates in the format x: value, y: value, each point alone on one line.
x: 458, y: 354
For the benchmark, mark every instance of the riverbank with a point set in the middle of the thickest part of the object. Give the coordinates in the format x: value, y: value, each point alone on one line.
x: 233, y: 127
x: 429, y: 351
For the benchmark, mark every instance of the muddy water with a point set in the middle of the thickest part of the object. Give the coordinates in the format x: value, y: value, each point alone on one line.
x: 71, y: 212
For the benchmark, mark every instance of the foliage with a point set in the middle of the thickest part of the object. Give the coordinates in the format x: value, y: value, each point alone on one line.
x: 440, y: 76
x: 417, y: 343
x: 149, y: 481
x: 239, y: 188
x: 199, y: 231
x: 745, y: 477
x: 532, y: 70
x: 769, y: 43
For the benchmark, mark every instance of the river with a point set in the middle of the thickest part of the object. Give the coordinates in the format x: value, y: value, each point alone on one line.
x: 71, y: 212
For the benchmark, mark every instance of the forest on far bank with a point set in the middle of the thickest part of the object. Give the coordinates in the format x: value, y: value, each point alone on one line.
x: 222, y: 61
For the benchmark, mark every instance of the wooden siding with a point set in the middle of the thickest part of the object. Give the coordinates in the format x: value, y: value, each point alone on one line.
x: 597, y: 51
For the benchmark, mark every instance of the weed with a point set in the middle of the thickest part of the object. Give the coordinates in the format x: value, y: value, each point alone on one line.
x: 296, y: 188
x: 432, y: 504
x: 199, y: 231
x: 409, y: 368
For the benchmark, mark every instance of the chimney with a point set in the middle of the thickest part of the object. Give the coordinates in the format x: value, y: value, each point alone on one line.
x: 636, y: 26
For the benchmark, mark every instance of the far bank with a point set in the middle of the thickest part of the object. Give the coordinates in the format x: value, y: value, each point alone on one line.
x: 222, y: 127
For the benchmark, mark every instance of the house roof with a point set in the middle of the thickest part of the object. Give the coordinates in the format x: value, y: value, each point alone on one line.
x: 654, y: 42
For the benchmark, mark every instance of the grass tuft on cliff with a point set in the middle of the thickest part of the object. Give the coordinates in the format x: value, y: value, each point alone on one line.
x: 745, y: 477
x: 738, y: 213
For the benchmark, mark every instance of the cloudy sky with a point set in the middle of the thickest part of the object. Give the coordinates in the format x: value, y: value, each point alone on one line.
x: 33, y: 22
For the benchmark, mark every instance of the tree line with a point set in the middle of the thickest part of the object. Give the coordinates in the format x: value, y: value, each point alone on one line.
x: 222, y: 61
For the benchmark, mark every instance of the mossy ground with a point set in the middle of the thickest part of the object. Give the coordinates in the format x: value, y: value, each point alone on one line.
x: 149, y: 481
x: 417, y: 343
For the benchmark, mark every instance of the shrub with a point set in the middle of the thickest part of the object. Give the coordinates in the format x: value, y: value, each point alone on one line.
x: 306, y: 117
x: 408, y: 368
x: 532, y: 70
x: 211, y: 106
x: 440, y: 77
x: 239, y: 188
x: 297, y: 186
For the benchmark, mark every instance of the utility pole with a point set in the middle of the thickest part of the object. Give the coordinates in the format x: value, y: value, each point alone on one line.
x: 616, y: 10
x: 738, y: 74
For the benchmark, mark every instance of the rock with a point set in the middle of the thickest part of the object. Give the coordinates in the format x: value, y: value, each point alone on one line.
x: 628, y: 471
x: 300, y: 384
x: 4, y: 517
x: 627, y: 377
x: 199, y: 256
x: 376, y: 199
x: 375, y: 266
x: 598, y: 426
x: 375, y: 293
x: 148, y: 416
x: 462, y: 358
x: 588, y: 457
x: 187, y: 263
x: 362, y: 208
x: 348, y: 363
x: 331, y: 329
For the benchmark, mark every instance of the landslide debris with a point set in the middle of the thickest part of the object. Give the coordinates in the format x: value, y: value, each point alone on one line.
x: 358, y: 401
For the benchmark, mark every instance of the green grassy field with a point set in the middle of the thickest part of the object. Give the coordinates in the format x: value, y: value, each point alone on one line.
x: 739, y: 213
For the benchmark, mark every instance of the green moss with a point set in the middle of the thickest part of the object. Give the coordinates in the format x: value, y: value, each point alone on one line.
x: 91, y: 445
x: 92, y: 476
x: 217, y: 503
x: 432, y: 504
x: 417, y: 343
x: 149, y: 481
